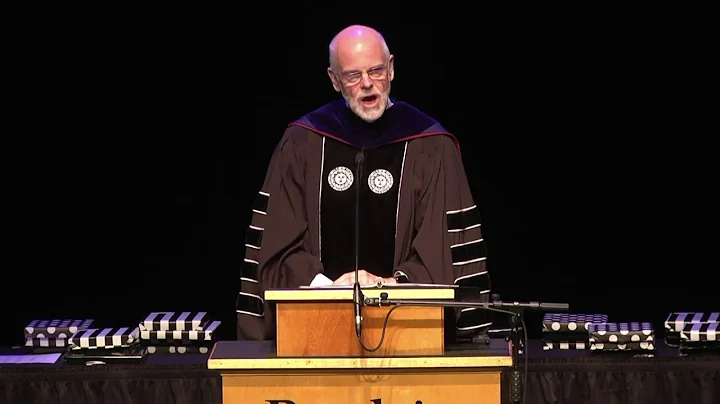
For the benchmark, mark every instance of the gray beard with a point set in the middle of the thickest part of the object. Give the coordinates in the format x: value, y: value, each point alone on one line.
x: 369, y: 115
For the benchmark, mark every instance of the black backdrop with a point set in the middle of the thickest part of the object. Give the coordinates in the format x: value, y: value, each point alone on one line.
x: 136, y: 143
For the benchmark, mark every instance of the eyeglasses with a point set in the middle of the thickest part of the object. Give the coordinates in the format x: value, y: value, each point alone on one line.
x: 375, y: 73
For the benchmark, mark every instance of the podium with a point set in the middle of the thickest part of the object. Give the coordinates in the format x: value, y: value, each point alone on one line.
x: 316, y: 357
x: 321, y: 322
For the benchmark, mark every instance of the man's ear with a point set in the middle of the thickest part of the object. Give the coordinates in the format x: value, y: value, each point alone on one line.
x: 333, y: 79
x: 391, y: 67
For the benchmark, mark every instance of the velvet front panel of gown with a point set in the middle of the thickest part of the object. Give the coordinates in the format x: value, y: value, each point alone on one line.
x: 379, y: 189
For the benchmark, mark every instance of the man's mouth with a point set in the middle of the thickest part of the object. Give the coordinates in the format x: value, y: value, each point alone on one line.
x: 369, y: 100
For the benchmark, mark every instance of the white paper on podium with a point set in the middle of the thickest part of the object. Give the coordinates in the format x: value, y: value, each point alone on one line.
x: 320, y: 280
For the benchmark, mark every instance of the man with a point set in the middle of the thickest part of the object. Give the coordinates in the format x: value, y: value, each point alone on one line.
x: 418, y: 222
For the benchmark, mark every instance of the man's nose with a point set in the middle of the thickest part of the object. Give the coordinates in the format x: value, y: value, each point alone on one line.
x: 366, y: 82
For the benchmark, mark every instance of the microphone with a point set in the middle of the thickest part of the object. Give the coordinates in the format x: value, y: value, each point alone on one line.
x: 514, y: 309
x: 383, y: 300
x: 357, y: 293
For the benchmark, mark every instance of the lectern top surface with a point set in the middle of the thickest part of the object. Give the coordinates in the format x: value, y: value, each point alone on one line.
x: 260, y: 355
x: 389, y: 286
x: 420, y: 292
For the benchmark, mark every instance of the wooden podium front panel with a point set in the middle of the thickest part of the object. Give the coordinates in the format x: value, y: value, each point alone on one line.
x: 328, y: 329
x: 398, y: 387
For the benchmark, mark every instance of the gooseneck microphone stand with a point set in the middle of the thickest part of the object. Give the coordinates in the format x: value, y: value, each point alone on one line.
x: 357, y: 292
x: 517, y: 334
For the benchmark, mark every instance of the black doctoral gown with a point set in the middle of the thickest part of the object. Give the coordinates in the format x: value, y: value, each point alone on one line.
x: 418, y: 220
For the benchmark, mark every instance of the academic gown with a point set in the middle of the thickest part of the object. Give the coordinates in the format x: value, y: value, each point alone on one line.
x: 418, y: 220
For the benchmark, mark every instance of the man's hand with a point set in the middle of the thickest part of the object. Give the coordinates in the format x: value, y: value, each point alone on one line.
x: 365, y: 278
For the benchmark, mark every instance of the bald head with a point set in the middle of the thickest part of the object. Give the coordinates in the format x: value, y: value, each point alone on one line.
x: 356, y: 40
x: 361, y: 69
